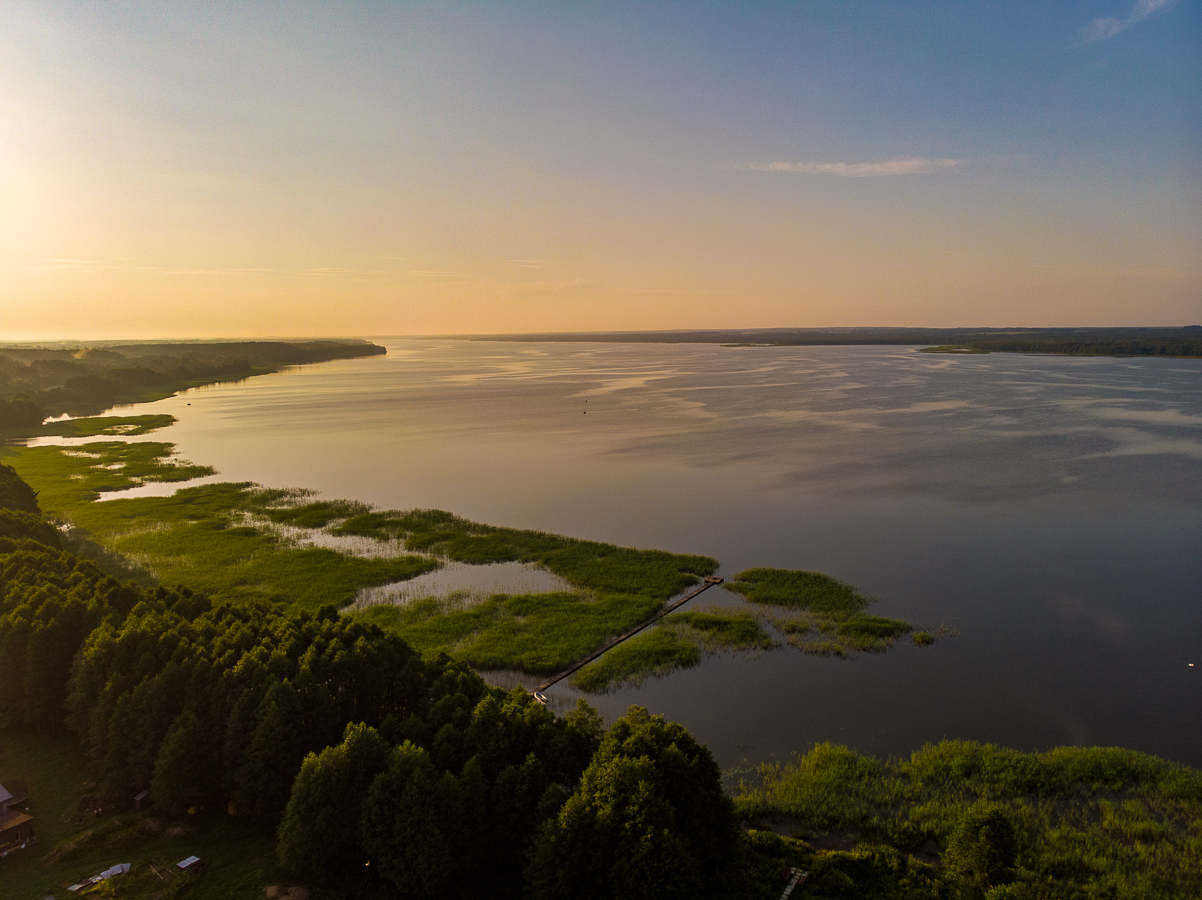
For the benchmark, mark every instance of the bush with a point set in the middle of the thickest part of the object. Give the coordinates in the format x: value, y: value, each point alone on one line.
x: 982, y: 851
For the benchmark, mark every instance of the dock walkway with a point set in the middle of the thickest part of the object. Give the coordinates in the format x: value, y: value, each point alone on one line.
x: 708, y: 583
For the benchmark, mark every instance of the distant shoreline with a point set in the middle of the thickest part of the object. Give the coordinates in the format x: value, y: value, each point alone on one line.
x: 1179, y: 342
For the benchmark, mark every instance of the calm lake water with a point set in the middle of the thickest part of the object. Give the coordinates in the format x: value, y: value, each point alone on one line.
x: 1047, y: 508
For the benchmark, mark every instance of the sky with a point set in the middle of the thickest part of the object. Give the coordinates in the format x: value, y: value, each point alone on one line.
x: 312, y: 169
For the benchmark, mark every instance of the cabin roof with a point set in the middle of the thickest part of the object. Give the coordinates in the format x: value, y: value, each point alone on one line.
x: 13, y: 819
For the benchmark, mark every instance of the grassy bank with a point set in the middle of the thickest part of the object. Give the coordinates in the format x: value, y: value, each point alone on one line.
x: 1089, y: 822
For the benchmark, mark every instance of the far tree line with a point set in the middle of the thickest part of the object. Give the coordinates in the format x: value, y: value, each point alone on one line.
x: 38, y: 382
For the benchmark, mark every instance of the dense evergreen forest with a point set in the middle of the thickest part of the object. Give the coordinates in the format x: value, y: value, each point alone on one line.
x: 38, y: 382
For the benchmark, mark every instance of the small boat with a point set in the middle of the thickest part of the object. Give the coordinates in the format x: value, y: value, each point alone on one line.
x: 540, y: 697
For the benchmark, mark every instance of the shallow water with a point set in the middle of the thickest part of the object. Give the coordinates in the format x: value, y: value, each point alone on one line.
x: 1048, y: 508
x: 473, y: 582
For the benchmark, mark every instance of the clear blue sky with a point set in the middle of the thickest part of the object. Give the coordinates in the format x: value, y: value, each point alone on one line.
x: 214, y: 169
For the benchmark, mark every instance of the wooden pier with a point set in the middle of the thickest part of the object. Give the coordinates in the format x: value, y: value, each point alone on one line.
x: 799, y: 877
x: 708, y: 583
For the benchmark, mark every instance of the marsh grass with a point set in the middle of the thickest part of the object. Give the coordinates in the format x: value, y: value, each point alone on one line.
x: 1097, y: 821
x: 196, y: 536
x: 588, y: 565
x: 793, y: 588
x: 539, y: 634
x: 679, y: 641
x: 68, y: 479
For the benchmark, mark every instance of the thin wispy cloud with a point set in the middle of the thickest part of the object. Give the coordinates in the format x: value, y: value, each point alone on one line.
x: 1105, y: 28
x: 899, y: 165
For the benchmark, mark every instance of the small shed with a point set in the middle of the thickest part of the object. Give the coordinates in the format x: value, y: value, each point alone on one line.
x: 140, y: 799
x: 16, y: 832
x: 191, y: 864
x: 16, y: 828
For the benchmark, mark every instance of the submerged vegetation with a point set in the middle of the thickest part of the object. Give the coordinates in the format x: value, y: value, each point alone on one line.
x: 827, y: 616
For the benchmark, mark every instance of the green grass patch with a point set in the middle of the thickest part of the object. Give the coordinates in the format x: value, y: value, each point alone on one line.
x: 537, y: 633
x: 721, y: 629
x: 1096, y: 821
x: 313, y: 515
x: 796, y: 589
x: 872, y: 633
x: 68, y: 479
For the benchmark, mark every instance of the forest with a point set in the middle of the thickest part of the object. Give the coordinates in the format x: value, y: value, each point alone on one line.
x: 41, y: 382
